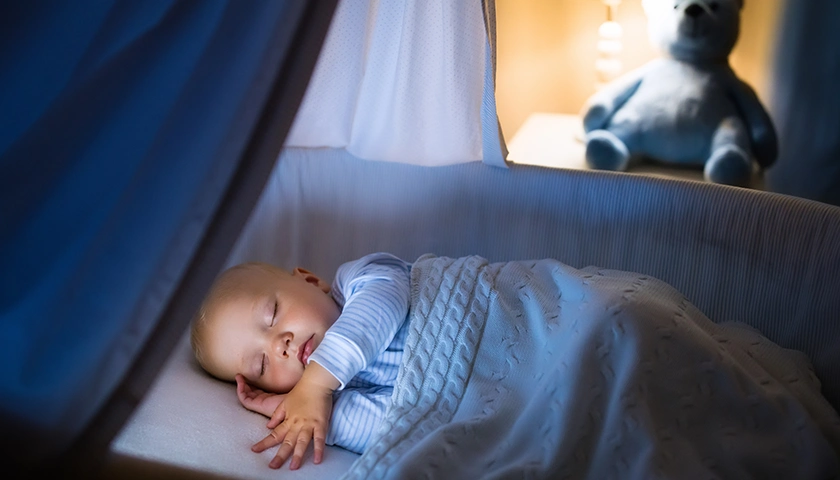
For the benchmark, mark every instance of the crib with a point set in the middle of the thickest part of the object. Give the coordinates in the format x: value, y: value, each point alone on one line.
x: 739, y: 263
x: 765, y: 259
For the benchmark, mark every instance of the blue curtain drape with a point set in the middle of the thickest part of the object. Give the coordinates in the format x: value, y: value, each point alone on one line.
x: 123, y: 125
x: 806, y: 103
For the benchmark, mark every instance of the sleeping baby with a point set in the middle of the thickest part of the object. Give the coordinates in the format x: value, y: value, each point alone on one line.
x: 320, y: 361
x: 463, y: 368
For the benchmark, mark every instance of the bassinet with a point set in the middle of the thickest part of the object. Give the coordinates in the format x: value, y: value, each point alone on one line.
x: 740, y: 255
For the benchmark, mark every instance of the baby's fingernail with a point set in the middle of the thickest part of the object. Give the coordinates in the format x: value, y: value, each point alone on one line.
x: 295, y: 464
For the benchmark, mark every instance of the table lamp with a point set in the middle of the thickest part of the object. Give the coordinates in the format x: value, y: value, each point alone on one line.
x: 608, y: 64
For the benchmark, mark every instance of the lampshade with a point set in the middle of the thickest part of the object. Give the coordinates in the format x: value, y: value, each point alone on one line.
x: 608, y: 63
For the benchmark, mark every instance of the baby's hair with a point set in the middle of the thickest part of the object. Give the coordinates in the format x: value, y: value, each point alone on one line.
x: 224, y: 287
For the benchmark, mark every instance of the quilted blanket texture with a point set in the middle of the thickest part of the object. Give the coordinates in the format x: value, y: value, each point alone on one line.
x: 540, y: 370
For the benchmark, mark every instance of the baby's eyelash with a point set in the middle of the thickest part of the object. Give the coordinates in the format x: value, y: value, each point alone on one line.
x: 262, y: 366
x: 274, y: 315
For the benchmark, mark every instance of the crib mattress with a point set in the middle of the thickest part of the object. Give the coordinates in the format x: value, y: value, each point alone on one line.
x: 192, y: 423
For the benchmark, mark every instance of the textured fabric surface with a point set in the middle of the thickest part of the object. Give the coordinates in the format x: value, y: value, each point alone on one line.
x: 539, y: 370
x: 400, y: 82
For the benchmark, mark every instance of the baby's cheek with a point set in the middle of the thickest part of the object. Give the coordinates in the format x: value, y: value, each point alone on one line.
x: 284, y: 380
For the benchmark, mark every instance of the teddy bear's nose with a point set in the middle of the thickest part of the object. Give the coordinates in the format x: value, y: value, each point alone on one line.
x: 694, y: 10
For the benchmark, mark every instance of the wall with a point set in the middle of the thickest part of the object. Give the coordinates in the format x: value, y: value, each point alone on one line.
x: 546, y: 52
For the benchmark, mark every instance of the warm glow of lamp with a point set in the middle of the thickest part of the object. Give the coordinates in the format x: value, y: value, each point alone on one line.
x: 608, y: 64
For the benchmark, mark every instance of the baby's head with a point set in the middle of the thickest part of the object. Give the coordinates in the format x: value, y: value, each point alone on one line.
x: 263, y: 322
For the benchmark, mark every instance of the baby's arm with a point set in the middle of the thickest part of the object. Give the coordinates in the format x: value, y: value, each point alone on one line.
x: 302, y: 417
x: 374, y: 294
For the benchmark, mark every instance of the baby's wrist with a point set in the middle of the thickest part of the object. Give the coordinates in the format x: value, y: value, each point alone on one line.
x: 318, y: 376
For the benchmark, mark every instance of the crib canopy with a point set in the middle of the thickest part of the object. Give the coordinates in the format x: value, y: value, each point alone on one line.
x: 135, y: 138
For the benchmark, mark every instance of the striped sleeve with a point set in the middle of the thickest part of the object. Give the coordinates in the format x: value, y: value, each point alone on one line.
x: 356, y: 416
x: 374, y: 294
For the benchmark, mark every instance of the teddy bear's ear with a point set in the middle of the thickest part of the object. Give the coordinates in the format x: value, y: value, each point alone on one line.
x: 648, y: 6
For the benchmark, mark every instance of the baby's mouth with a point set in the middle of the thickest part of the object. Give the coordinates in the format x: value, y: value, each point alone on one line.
x: 305, y: 350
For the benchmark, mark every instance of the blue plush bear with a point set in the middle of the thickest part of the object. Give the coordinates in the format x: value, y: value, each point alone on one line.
x: 687, y: 108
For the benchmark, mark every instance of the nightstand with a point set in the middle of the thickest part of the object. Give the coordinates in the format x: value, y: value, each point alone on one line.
x: 555, y: 140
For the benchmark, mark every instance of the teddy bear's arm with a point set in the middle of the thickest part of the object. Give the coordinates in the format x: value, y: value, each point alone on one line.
x: 758, y: 121
x: 601, y: 106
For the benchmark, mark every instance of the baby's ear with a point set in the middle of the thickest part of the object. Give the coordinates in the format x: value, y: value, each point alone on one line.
x: 310, y: 277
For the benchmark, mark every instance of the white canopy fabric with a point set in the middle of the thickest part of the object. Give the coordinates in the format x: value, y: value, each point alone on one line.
x: 401, y: 82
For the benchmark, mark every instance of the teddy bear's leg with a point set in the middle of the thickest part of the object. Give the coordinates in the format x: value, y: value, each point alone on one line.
x: 730, y: 161
x: 605, y: 151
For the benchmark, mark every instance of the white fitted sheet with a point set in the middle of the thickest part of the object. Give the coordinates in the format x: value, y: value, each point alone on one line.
x: 191, y: 420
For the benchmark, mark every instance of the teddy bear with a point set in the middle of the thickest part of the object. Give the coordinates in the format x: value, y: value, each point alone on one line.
x: 686, y: 108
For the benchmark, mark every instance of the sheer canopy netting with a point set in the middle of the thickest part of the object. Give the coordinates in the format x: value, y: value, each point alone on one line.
x: 407, y: 82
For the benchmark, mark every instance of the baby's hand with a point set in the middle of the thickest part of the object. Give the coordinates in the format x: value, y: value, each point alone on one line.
x: 257, y: 400
x: 305, y: 416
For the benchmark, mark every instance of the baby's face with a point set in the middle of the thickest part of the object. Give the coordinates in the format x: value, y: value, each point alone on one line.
x: 268, y: 328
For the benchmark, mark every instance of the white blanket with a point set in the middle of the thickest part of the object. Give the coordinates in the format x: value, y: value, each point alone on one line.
x: 539, y: 370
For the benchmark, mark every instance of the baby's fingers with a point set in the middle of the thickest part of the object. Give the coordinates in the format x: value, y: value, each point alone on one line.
x: 283, y: 452
x: 278, y: 416
x: 243, y: 391
x: 303, y: 439
x: 274, y: 437
x: 319, y: 440
x: 240, y: 386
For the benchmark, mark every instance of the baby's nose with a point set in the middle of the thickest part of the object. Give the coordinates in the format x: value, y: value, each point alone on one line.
x: 282, y: 343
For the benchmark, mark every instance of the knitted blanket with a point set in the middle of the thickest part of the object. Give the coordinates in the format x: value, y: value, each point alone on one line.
x: 539, y: 370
